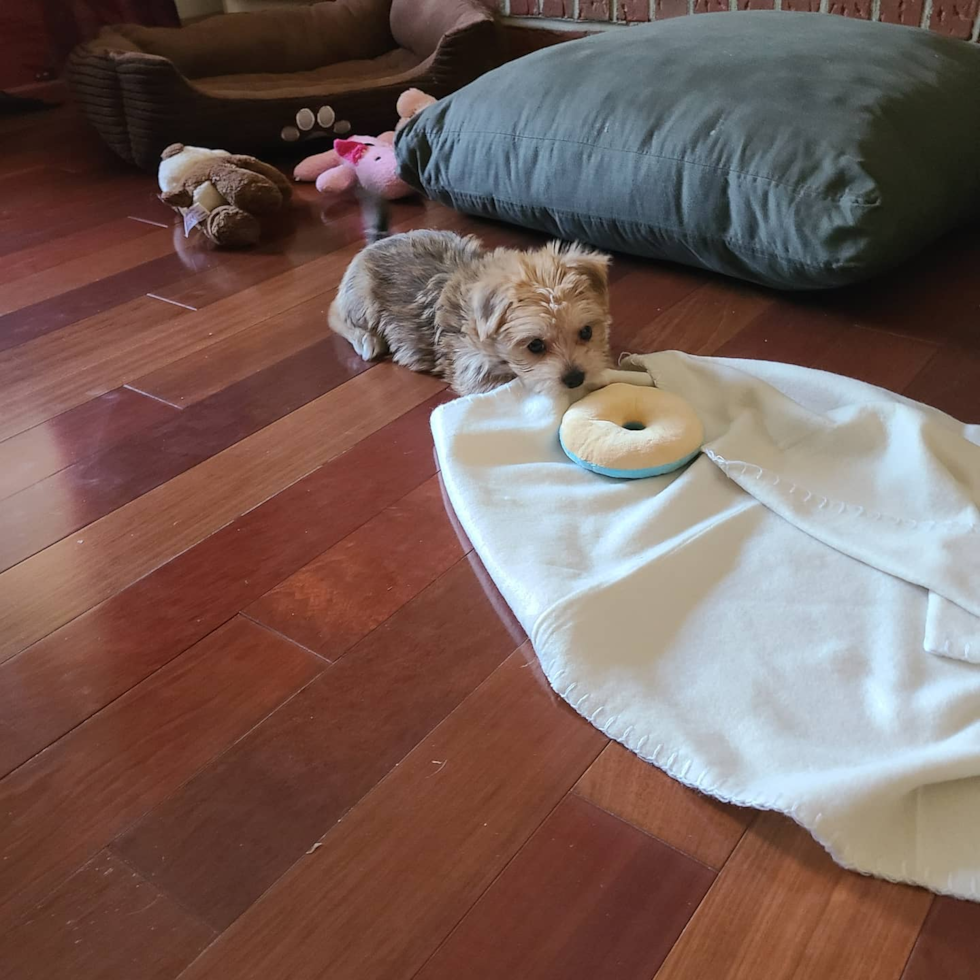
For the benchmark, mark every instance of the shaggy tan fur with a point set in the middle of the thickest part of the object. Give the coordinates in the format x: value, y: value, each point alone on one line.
x: 439, y: 303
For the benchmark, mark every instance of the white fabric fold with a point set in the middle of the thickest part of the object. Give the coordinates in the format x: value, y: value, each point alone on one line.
x: 762, y: 624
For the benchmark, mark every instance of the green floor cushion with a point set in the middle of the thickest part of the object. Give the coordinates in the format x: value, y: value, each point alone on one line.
x: 797, y: 150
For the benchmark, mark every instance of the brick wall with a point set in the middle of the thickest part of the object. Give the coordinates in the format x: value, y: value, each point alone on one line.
x: 957, y: 18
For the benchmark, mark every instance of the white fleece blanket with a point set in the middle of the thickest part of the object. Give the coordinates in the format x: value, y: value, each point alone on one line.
x: 791, y: 623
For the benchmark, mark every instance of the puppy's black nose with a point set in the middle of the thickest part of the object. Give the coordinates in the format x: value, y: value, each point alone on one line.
x: 573, y: 378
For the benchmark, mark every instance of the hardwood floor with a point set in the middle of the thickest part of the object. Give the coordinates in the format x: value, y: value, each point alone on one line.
x: 263, y: 714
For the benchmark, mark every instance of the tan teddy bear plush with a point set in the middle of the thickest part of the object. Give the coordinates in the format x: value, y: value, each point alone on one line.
x: 224, y: 194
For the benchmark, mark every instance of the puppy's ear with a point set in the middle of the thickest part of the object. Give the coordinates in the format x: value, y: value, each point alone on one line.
x: 490, y: 302
x: 593, y: 265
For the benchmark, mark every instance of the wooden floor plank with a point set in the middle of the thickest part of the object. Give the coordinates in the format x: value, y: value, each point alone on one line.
x: 337, y: 599
x: 85, y: 269
x: 53, y: 587
x: 69, y: 675
x: 588, y: 896
x: 110, y: 349
x: 228, y: 835
x: 91, y: 428
x: 68, y: 249
x: 54, y: 373
x: 250, y: 490
x: 204, y: 372
x: 950, y: 382
x: 781, y: 909
x: 61, y: 808
x: 949, y: 944
x: 96, y: 202
x: 702, y: 321
x: 104, y: 923
x: 641, y: 794
x: 643, y: 293
x: 935, y: 298
x: 794, y: 330
x: 879, y: 358
x: 393, y: 878
x: 99, y: 484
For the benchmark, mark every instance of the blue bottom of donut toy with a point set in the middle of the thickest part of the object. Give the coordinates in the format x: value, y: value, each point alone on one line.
x: 630, y: 474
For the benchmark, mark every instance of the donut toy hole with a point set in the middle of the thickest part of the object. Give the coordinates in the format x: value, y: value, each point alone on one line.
x: 634, y: 426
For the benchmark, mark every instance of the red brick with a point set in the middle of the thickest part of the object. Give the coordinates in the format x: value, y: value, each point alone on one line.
x: 954, y: 17
x: 851, y: 8
x: 523, y: 8
x: 908, y: 12
x: 633, y: 11
x: 593, y: 10
x: 557, y: 8
x: 710, y: 6
x: 756, y: 5
x: 671, y: 8
x: 807, y: 6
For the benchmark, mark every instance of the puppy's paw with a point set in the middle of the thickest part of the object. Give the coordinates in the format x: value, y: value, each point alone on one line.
x: 634, y: 376
x: 369, y: 346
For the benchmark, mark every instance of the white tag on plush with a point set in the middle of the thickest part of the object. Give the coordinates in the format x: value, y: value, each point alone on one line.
x: 193, y: 216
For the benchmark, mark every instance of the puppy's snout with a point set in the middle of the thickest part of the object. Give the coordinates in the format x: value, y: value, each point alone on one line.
x: 573, y: 378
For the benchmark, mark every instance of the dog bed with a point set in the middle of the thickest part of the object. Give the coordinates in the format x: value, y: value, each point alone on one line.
x: 791, y: 623
x: 258, y: 82
x: 791, y: 149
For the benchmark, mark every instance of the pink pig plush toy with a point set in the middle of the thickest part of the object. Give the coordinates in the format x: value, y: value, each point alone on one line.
x: 360, y: 159
x: 367, y: 160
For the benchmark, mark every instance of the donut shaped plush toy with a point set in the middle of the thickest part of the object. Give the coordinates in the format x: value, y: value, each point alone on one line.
x: 630, y: 432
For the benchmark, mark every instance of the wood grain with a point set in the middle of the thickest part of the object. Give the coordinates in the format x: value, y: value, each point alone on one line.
x: 782, y: 909
x: 641, y: 794
x: 797, y: 331
x: 69, y: 802
x: 190, y: 379
x: 104, y: 923
x: 84, y: 270
x: 61, y: 582
x: 703, y: 320
x: 67, y: 250
x: 95, y: 486
x: 949, y: 945
x: 69, y: 675
x: 110, y: 349
x: 231, y: 832
x: 588, y: 896
x: 348, y: 591
x: 442, y: 826
x: 92, y: 202
x: 51, y: 374
x: 484, y: 830
x: 951, y: 382
x: 91, y: 428
x: 642, y: 293
x: 878, y: 358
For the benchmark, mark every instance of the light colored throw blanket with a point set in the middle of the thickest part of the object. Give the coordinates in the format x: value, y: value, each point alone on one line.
x: 791, y: 623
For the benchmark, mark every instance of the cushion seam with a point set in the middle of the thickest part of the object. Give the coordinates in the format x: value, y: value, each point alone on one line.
x: 730, y: 171
x: 681, y: 235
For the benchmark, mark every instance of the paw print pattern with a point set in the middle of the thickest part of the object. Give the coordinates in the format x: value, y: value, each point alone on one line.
x: 309, y: 125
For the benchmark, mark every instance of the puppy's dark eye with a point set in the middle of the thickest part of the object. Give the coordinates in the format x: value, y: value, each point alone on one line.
x: 585, y: 333
x: 536, y: 347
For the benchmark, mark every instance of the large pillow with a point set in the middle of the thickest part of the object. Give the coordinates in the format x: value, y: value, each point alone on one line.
x: 797, y: 150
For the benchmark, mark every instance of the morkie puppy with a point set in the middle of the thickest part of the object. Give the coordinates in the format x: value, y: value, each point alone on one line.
x: 441, y: 304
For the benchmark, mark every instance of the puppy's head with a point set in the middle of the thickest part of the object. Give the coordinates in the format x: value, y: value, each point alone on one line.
x: 544, y: 314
